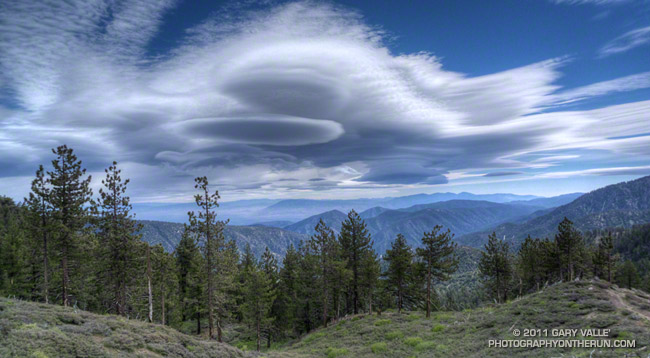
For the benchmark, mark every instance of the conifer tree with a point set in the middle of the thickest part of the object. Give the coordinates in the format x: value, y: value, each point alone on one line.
x: 495, y: 267
x: 70, y: 193
x: 628, y: 275
x: 38, y: 222
x: 258, y: 300
x: 269, y: 265
x: 400, y: 270
x: 605, y: 259
x: 370, y: 271
x: 530, y: 263
x: 355, y: 244
x: 570, y: 245
x: 119, y: 233
x: 208, y: 228
x: 437, y: 255
x: 288, y: 292
x: 189, y: 263
x: 323, y: 245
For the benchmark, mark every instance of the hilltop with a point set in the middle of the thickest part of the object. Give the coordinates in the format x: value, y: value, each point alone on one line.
x: 37, y: 330
x: 576, y: 305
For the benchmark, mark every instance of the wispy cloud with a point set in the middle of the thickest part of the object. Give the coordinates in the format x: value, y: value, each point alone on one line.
x: 626, y: 42
x: 297, y: 91
x: 590, y: 2
x: 623, y: 84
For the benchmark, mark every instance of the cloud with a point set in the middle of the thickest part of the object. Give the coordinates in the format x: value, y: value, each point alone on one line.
x: 266, y: 101
x: 626, y: 42
x: 501, y: 174
x: 590, y: 2
x: 623, y: 84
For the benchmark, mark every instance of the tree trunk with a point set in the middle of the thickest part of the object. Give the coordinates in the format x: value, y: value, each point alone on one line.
x: 198, y: 323
x: 66, y: 273
x: 259, y: 338
x: 149, y: 283
x: 429, y: 292
x: 46, y: 286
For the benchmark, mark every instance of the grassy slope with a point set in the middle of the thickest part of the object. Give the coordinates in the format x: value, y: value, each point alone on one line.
x: 466, y: 334
x: 40, y: 331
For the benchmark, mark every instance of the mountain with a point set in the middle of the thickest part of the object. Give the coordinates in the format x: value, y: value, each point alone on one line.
x: 37, y: 330
x: 620, y: 205
x: 259, y: 237
x: 372, y: 212
x: 459, y: 216
x: 332, y: 218
x: 297, y: 209
x: 280, y: 223
x: 551, y: 202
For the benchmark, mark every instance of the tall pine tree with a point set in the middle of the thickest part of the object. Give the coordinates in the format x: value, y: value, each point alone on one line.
x: 69, y: 197
x: 437, y: 255
x: 355, y: 244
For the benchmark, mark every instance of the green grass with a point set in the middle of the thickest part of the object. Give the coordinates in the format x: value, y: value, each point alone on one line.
x: 578, y: 305
x: 382, y: 322
x: 336, y: 352
x: 35, y: 330
x: 394, y: 335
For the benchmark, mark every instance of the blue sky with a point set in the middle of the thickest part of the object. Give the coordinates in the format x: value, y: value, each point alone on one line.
x: 329, y: 99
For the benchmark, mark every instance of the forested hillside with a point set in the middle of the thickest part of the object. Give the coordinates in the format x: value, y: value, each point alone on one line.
x: 258, y: 237
x: 619, y: 205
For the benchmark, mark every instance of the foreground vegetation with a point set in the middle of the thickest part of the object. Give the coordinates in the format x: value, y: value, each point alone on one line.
x: 579, y: 305
x: 37, y: 330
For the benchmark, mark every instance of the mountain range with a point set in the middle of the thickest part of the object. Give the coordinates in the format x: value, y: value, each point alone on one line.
x: 620, y: 205
x: 460, y: 216
x: 249, y: 212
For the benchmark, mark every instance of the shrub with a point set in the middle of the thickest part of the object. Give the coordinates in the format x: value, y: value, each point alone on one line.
x: 412, y: 317
x: 394, y: 335
x: 336, y: 352
x: 413, y: 341
x: 382, y: 322
x: 379, y: 347
x: 424, y: 346
x: 438, y: 328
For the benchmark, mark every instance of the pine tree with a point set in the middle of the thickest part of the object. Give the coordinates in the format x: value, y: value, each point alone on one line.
x: 69, y: 196
x: 323, y: 245
x: 288, y: 312
x: 530, y: 264
x: 570, y: 245
x: 400, y: 270
x: 189, y: 265
x: 205, y: 224
x: 628, y: 275
x: 38, y: 222
x: 355, y: 244
x: 258, y: 300
x: 119, y: 233
x: 438, y: 257
x: 370, y: 272
x: 605, y: 259
x: 269, y: 265
x: 495, y: 267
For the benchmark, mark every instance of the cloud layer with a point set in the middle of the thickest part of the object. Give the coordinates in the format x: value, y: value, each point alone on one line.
x: 289, y: 99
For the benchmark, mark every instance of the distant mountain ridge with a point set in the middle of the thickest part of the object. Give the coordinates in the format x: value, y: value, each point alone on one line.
x: 460, y: 216
x: 249, y: 212
x: 168, y: 234
x: 619, y: 205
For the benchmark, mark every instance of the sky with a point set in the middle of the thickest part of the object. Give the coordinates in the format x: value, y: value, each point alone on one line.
x: 322, y: 100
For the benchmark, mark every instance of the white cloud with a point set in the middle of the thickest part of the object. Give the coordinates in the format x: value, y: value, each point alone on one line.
x: 627, y: 41
x: 266, y: 101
